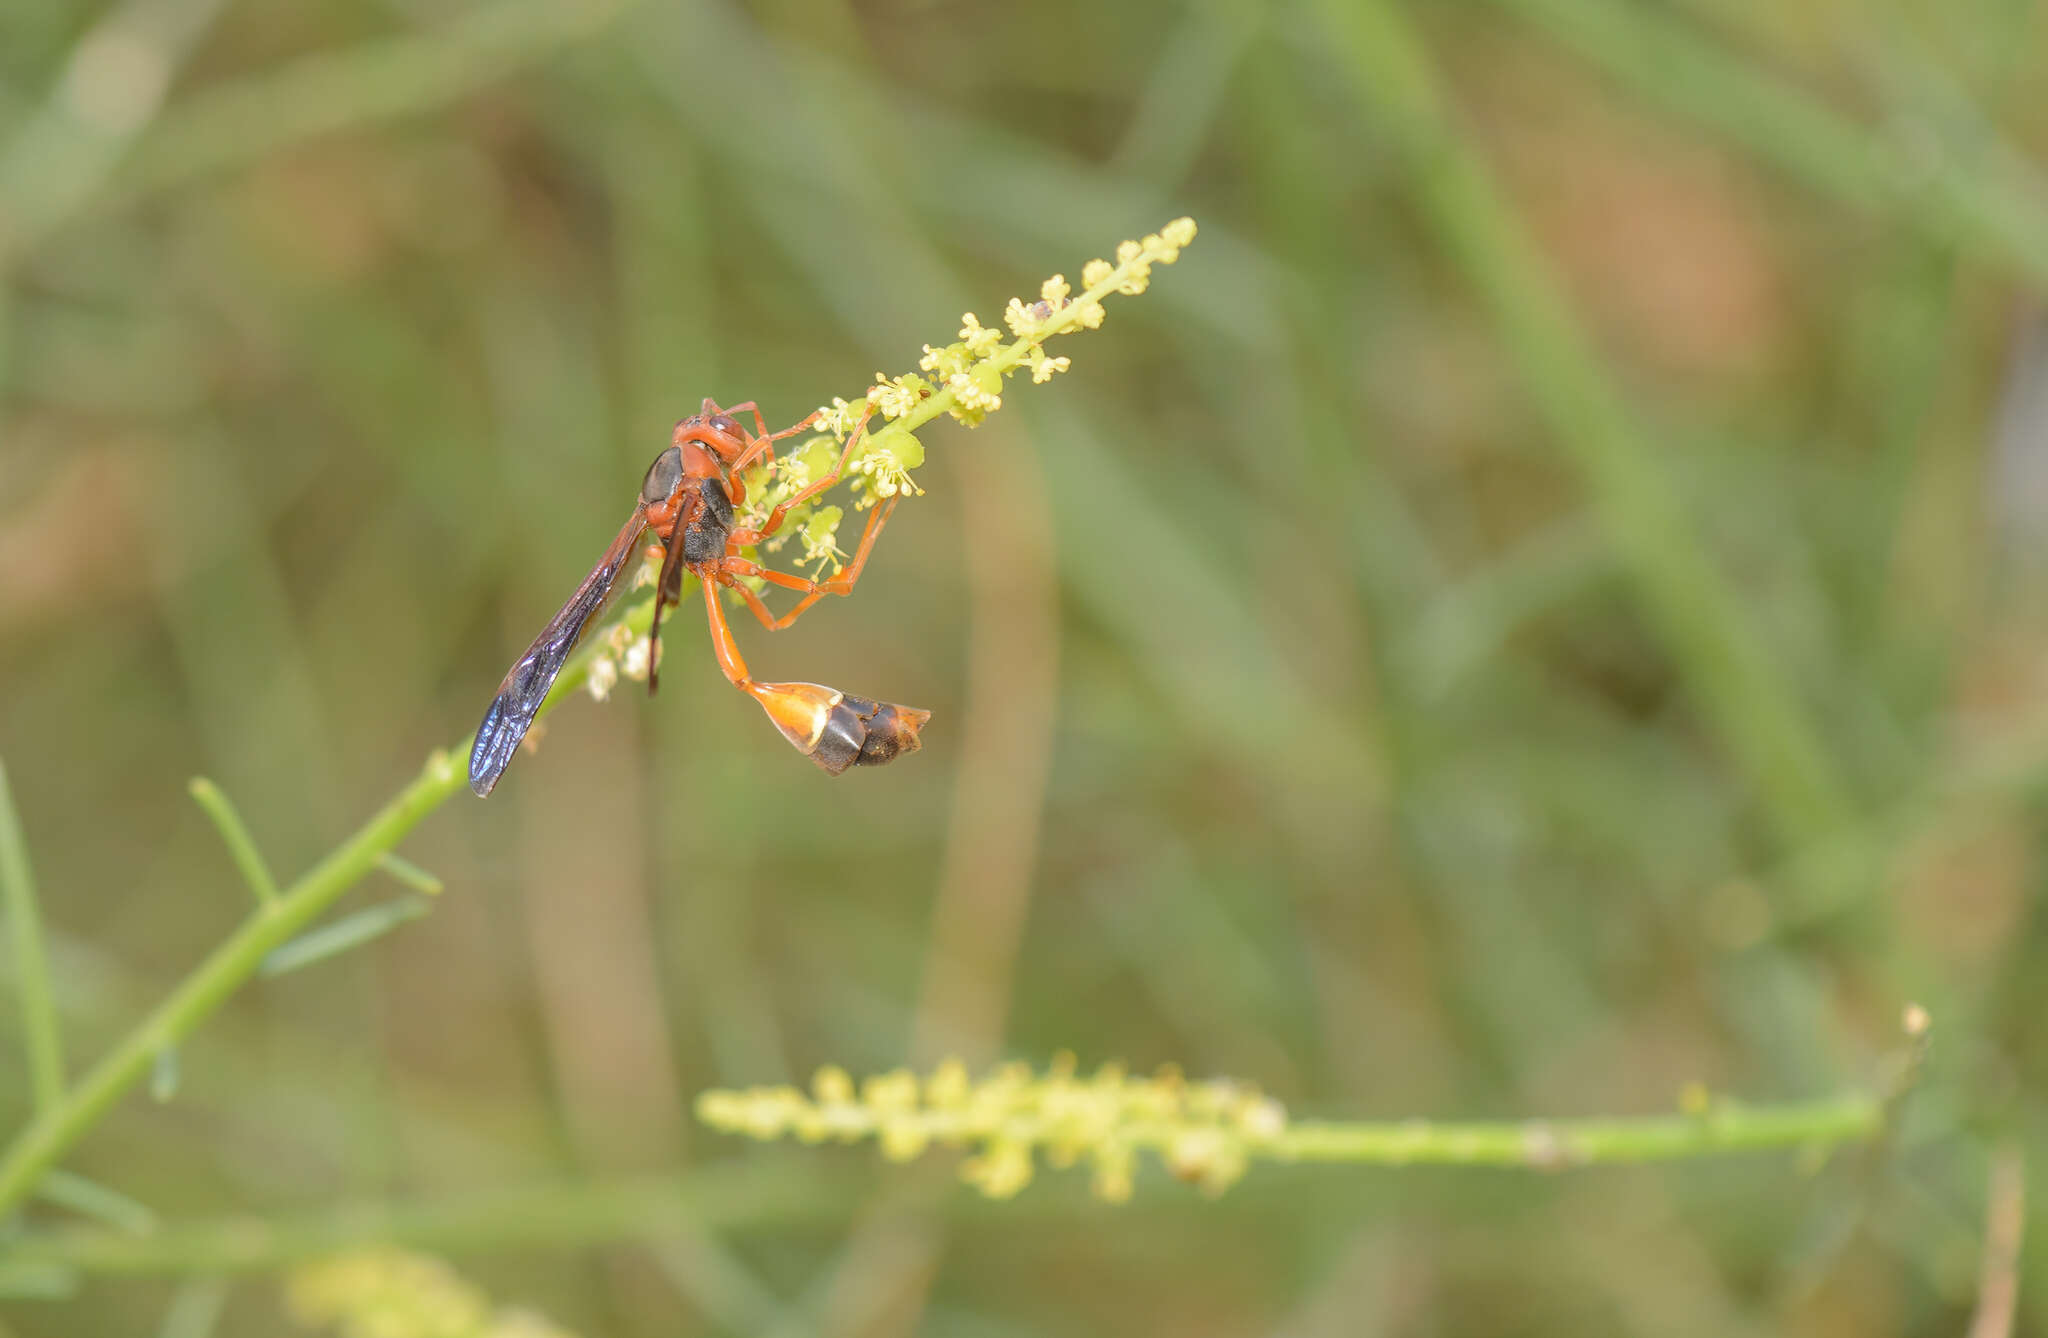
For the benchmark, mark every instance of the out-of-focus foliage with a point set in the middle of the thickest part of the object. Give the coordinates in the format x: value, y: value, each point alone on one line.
x: 1539, y: 608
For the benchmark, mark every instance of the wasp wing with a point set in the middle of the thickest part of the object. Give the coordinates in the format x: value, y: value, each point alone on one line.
x: 526, y: 686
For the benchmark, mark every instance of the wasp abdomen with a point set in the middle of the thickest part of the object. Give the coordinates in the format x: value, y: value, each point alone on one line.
x: 863, y: 733
x: 837, y: 730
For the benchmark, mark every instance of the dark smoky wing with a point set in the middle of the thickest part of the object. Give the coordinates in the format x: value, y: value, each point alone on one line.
x: 519, y: 698
x: 511, y: 712
x: 497, y: 738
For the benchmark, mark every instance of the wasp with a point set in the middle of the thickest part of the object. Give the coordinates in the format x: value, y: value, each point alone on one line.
x: 687, y: 502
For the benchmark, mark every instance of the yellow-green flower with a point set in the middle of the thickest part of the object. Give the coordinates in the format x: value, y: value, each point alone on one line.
x: 964, y: 378
x: 1205, y: 1133
x: 389, y: 1293
x: 886, y: 460
x: 820, y: 533
x: 980, y: 342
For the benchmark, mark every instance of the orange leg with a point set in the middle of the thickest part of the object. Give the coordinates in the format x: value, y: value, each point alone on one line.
x: 722, y: 644
x: 762, y: 447
x: 760, y: 610
x: 774, y: 521
x: 813, y: 591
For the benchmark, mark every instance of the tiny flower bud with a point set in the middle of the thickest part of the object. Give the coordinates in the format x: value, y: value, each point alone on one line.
x: 832, y: 1085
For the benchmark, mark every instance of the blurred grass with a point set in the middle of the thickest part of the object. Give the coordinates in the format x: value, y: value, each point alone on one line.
x: 1526, y: 629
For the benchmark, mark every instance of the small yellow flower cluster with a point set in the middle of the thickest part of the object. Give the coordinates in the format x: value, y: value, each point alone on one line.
x: 894, y: 396
x: 390, y: 1293
x: 1204, y: 1132
x: 963, y: 378
x: 973, y: 369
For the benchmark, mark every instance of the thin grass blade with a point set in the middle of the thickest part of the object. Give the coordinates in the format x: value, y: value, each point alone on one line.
x: 89, y: 1198
x: 248, y: 859
x: 412, y: 875
x: 351, y: 931
x: 43, y: 1041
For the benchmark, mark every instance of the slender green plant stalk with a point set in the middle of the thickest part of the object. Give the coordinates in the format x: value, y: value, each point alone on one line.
x: 349, y: 932
x: 45, y: 1045
x: 1550, y: 1144
x: 95, y: 1201
x: 561, y: 1214
x: 412, y: 875
x: 1209, y: 1133
x: 53, y: 1132
x: 273, y: 923
x: 235, y: 836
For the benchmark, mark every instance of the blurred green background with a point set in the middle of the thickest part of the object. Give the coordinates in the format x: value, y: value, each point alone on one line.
x: 1542, y: 605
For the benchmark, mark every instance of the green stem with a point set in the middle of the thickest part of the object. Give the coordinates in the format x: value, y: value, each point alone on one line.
x: 1550, y: 1144
x: 45, y: 1043
x: 345, y: 935
x: 1724, y: 1126
x: 412, y: 875
x: 248, y: 859
x: 88, y: 1198
x: 557, y: 1215
x: 219, y: 976
x: 62, y: 1122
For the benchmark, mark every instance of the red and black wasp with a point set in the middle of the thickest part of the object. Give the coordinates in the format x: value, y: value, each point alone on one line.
x: 687, y: 502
